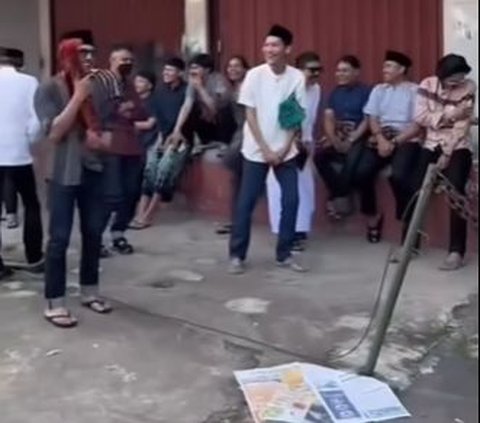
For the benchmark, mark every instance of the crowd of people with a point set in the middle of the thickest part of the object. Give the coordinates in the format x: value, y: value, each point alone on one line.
x: 120, y: 140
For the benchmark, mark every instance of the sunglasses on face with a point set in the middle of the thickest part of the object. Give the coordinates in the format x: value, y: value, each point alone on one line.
x: 314, y: 69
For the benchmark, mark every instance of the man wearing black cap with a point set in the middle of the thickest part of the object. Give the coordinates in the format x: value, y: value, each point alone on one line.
x: 269, y: 142
x: 445, y: 109
x: 75, y: 180
x: 395, y: 136
x: 19, y: 127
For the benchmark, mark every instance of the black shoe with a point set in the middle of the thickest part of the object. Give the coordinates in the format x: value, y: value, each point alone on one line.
x: 104, y: 252
x: 375, y: 233
x: 224, y: 230
x: 122, y: 246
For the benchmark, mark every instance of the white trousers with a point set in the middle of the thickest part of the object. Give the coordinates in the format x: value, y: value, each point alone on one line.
x: 306, y: 207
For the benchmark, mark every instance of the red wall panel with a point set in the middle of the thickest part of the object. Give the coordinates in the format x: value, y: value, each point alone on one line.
x: 332, y: 28
x: 136, y: 22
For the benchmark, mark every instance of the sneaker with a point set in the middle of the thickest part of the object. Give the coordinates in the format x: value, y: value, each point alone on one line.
x: 453, y: 261
x: 122, y: 246
x: 236, y: 267
x: 292, y: 264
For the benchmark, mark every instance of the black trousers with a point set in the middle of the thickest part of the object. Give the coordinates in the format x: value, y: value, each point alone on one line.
x: 122, y: 187
x: 23, y: 181
x: 233, y: 161
x: 458, y: 173
x: 341, y: 173
x: 9, y: 197
x: 403, y: 162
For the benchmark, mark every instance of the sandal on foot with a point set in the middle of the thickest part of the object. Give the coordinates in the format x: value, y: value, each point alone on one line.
x: 375, y: 232
x: 332, y: 212
x: 122, y: 246
x: 98, y: 306
x: 136, y: 225
x: 63, y: 320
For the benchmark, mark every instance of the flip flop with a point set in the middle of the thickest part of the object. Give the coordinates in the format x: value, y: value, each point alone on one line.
x: 98, y: 306
x: 137, y: 225
x: 55, y: 320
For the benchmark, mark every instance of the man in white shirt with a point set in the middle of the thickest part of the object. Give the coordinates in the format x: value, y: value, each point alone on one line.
x: 19, y: 127
x: 309, y: 63
x: 266, y: 145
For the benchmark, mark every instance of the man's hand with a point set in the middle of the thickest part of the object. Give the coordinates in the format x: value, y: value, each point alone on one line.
x: 175, y: 140
x: 271, y: 157
x: 384, y: 147
x: 82, y: 88
x: 196, y: 81
x: 459, y: 113
x: 443, y: 162
x: 126, y: 108
x: 98, y: 141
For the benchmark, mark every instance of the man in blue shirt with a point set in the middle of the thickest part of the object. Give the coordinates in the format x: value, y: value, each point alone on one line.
x: 165, y: 103
x: 395, y: 136
x: 345, y: 139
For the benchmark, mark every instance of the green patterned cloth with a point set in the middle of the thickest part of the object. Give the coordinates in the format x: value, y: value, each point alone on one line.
x: 291, y: 115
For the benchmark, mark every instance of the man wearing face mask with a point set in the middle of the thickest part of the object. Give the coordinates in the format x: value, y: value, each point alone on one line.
x: 124, y: 163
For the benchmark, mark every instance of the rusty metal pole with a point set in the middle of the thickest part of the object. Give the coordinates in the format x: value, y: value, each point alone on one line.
x: 387, y: 310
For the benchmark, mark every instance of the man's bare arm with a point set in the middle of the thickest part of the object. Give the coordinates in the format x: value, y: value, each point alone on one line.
x: 329, y: 125
x: 66, y: 119
x: 145, y: 125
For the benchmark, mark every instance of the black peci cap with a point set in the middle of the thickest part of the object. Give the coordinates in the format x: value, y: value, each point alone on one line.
x: 397, y: 57
x: 281, y: 32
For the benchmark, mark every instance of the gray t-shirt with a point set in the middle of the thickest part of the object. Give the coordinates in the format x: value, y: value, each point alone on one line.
x: 68, y: 157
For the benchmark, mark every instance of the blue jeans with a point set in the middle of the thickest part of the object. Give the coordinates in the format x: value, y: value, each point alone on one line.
x: 123, y: 180
x: 89, y: 199
x: 252, y: 186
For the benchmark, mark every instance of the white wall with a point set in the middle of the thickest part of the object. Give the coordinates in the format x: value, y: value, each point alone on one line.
x: 19, y: 28
x: 461, y: 34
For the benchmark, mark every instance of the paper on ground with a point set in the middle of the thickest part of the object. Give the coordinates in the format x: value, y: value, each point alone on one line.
x: 305, y: 393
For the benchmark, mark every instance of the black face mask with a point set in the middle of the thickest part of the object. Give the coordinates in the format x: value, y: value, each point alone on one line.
x: 125, y: 69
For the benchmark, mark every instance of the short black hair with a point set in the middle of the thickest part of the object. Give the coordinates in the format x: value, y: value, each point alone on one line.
x: 121, y: 47
x: 149, y: 76
x: 352, y: 60
x: 241, y: 59
x: 306, y: 57
x: 175, y: 62
x: 203, y: 60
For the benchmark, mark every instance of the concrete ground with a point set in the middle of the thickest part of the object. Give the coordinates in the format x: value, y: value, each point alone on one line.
x: 182, y: 326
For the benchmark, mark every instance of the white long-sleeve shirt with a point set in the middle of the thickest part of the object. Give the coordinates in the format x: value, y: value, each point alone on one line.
x: 313, y: 98
x: 19, y: 125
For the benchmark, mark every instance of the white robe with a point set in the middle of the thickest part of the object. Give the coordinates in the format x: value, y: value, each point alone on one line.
x: 306, y: 183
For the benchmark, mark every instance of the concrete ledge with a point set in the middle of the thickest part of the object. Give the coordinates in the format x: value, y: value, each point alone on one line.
x: 206, y: 186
